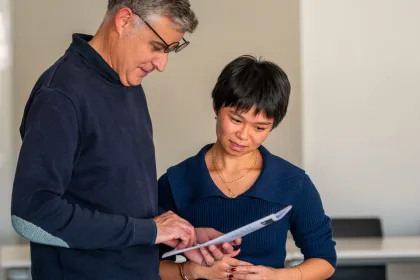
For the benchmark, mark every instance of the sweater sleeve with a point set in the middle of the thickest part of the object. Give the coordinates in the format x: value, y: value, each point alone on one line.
x: 40, y: 212
x: 310, y: 227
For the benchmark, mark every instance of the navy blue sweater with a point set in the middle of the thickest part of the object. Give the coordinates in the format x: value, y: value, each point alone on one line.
x: 187, y: 189
x: 85, y: 189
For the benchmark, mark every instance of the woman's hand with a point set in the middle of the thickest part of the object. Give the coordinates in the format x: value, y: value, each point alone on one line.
x: 260, y: 273
x: 212, y: 253
x: 220, y: 270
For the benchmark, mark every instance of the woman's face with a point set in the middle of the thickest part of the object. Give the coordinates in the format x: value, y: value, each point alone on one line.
x: 240, y: 133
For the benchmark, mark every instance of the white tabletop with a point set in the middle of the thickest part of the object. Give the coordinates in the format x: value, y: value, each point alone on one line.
x: 387, y: 249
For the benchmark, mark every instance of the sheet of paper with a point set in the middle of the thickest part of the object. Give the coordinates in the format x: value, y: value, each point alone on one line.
x: 240, y: 232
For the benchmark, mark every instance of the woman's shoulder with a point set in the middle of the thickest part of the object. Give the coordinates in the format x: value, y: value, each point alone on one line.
x: 279, y: 166
x: 186, y: 179
x: 285, y: 179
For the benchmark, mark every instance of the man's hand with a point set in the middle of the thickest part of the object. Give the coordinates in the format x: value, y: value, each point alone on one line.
x: 174, y: 231
x: 208, y: 256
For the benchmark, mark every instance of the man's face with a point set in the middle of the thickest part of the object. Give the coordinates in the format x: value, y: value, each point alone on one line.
x: 138, y: 50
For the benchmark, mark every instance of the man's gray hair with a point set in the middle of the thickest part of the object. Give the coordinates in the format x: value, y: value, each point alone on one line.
x: 178, y: 11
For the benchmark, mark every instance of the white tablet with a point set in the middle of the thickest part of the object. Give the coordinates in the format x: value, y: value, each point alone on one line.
x: 240, y: 232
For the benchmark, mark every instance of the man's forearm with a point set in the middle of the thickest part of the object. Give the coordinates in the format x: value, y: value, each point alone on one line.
x: 53, y: 221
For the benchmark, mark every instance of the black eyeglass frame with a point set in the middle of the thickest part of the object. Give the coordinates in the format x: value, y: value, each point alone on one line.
x: 175, y: 46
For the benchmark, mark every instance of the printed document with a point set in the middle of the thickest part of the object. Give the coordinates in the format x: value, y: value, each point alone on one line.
x: 240, y: 232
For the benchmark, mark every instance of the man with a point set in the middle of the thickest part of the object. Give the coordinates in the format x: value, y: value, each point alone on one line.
x: 85, y: 189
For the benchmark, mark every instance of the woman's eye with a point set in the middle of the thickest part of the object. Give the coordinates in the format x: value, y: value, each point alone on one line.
x: 260, y: 128
x: 235, y: 120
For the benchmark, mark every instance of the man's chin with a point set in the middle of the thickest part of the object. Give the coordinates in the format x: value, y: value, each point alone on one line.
x: 133, y: 82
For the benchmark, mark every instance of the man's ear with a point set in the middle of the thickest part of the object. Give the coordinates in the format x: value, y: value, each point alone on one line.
x: 122, y: 19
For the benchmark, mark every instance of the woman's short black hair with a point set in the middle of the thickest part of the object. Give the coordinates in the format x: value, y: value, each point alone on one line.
x: 247, y: 82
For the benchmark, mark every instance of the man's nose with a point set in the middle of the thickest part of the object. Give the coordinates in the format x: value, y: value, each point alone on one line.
x: 160, y: 62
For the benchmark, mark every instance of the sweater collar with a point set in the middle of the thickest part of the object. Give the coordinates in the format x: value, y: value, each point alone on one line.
x: 80, y: 45
x: 191, y: 180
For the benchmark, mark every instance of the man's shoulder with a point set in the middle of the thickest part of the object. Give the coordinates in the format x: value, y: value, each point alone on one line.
x: 66, y: 75
x: 62, y: 79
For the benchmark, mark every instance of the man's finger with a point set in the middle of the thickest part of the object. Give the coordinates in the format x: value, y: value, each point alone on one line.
x: 183, y: 244
x: 186, y: 239
x: 186, y: 233
x: 173, y: 243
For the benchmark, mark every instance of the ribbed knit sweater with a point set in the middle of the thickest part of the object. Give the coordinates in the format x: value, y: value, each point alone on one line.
x: 188, y: 190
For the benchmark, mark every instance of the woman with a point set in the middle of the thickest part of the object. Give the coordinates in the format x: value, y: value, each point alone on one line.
x: 236, y: 180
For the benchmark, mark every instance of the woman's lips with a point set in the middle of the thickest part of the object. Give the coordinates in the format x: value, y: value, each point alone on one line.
x: 236, y: 147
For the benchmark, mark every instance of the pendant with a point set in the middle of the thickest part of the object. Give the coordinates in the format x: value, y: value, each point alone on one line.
x: 232, y: 195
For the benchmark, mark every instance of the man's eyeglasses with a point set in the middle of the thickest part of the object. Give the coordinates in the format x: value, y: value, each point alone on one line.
x: 175, y: 46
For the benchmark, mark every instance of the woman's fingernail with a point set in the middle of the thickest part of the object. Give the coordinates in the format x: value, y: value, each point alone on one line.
x: 233, y: 269
x: 231, y: 276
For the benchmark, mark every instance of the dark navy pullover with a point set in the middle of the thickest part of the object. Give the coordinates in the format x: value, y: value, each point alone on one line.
x: 85, y: 189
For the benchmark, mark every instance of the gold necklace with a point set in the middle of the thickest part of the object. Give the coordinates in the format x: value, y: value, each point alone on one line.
x: 231, y: 194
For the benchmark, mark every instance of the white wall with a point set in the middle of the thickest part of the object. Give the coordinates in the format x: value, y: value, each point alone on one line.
x: 6, y: 150
x: 180, y: 98
x: 361, y: 108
